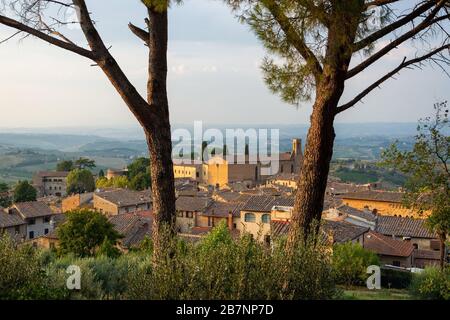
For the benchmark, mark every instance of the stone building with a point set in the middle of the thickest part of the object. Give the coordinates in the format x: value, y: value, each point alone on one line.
x: 220, y: 172
x: 120, y: 201
x: 50, y: 183
x: 37, y: 216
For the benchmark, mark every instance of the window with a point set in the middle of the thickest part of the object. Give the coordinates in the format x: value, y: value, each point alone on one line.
x: 189, y: 214
x: 396, y: 263
x: 17, y: 230
x: 292, y: 168
x: 180, y: 214
x: 32, y: 221
x: 31, y: 234
x: 265, y: 218
x: 45, y: 231
x: 249, y: 217
x: 197, y: 174
x: 46, y: 219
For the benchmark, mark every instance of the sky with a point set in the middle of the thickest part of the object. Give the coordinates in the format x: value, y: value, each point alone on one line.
x: 214, y: 76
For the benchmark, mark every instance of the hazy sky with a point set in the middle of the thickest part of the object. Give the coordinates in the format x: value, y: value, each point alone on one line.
x: 214, y: 76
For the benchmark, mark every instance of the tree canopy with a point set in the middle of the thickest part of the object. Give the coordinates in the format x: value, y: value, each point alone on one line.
x: 80, y: 181
x: 65, y: 165
x: 85, y: 232
x: 427, y: 170
x: 24, y: 192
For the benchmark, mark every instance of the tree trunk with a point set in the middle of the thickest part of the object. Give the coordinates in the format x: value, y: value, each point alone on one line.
x: 442, y: 238
x: 316, y: 162
x: 158, y: 133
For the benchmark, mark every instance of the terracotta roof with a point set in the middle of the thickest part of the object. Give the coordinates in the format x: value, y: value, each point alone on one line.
x: 222, y: 209
x: 403, y: 227
x: 134, y: 228
x: 229, y: 196
x: 10, y: 220
x: 388, y: 246
x: 200, y: 230
x: 266, y: 203
x: 286, y: 176
x: 343, y: 231
x: 125, y: 197
x: 340, y: 230
x: 339, y: 188
x: 363, y: 214
x: 58, y: 174
x: 192, y: 203
x: 33, y: 209
x: 427, y: 254
x: 279, y: 228
x: 375, y: 196
x: 286, y: 156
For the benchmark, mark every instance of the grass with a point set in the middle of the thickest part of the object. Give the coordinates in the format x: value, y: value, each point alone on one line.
x: 361, y: 293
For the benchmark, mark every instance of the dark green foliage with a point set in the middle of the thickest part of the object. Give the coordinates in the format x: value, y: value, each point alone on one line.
x: 222, y: 268
x: 427, y: 170
x: 431, y: 284
x: 5, y: 200
x: 22, y: 276
x: 369, y: 173
x: 80, y: 181
x: 350, y: 262
x: 101, y: 174
x: 138, y: 166
x: 83, y: 163
x: 84, y: 232
x: 108, y: 249
x: 218, y: 267
x: 397, y: 279
x: 139, y: 174
x: 140, y: 182
x: 65, y: 165
x: 24, y: 192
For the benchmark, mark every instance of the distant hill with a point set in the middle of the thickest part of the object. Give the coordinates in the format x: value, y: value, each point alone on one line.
x: 59, y: 142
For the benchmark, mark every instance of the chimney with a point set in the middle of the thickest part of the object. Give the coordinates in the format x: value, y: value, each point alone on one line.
x: 230, y: 220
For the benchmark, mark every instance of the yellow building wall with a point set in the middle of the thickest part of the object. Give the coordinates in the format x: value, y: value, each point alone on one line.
x: 217, y: 172
x: 258, y: 229
x: 104, y: 206
x: 384, y: 208
x: 181, y: 171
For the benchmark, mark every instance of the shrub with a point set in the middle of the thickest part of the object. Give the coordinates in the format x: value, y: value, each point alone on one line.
x: 22, y: 276
x: 398, y: 279
x: 221, y: 268
x: 431, y: 284
x: 350, y: 262
x: 85, y: 232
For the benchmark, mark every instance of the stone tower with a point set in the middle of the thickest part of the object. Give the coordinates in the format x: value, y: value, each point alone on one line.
x: 297, y: 154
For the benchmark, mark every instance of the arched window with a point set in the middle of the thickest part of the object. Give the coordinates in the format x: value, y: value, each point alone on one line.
x: 265, y: 218
x: 250, y: 217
